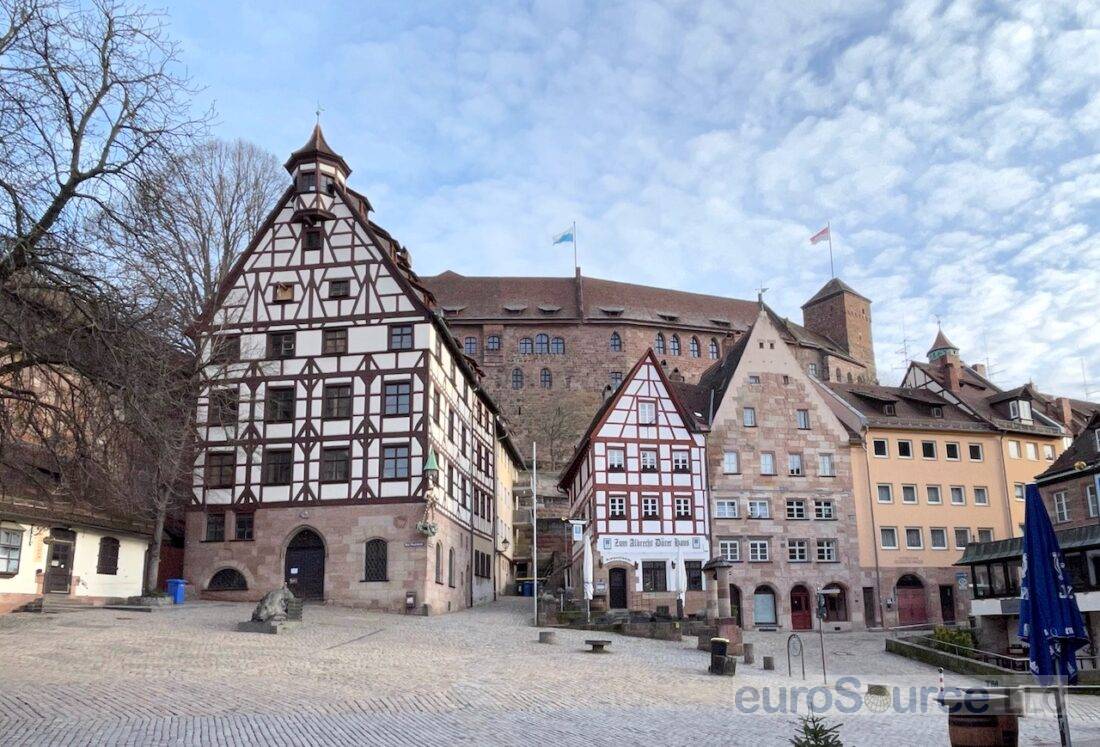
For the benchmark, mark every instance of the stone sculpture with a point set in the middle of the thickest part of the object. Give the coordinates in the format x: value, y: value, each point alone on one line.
x: 272, y: 608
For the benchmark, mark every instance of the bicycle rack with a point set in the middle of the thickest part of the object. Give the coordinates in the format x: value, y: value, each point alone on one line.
x: 794, y: 648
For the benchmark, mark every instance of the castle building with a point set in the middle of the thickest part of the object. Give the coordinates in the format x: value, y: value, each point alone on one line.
x: 637, y: 484
x: 345, y: 445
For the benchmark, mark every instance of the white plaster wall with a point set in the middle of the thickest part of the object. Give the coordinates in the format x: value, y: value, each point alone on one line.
x: 33, y: 557
x: 131, y: 563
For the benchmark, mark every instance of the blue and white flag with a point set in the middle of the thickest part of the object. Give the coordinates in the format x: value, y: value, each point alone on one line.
x: 564, y: 238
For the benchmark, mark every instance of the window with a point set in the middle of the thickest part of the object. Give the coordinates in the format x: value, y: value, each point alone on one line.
x: 492, y: 343
x: 914, y: 538
x: 469, y: 346
x: 616, y: 343
x: 517, y: 378
x: 933, y: 492
x: 616, y: 507
x: 1018, y: 491
x: 282, y: 293
x: 726, y: 509
x: 712, y: 349
x: 312, y: 240
x: 748, y: 417
x: 1032, y: 451
x: 812, y: 368
x: 1048, y: 452
x: 1090, y: 499
x: 683, y: 507
x: 648, y: 460
x: 401, y: 337
x: 905, y: 449
x: 937, y: 411
x: 1061, y: 507
x: 222, y: 408
x: 279, y: 405
x: 758, y: 551
x: 542, y: 344
x: 659, y: 344
x: 615, y: 378
x: 674, y: 345
x: 244, y: 526
x: 336, y: 401
x: 985, y: 535
x: 374, y: 564
x: 928, y: 449
x: 693, y: 347
x: 680, y: 461
x: 938, y: 537
x: 908, y: 493
x: 397, y: 398
x: 1019, y: 409
x: 693, y: 569
x: 557, y: 346
x: 802, y: 417
x: 334, y: 341
x: 759, y: 509
x: 888, y: 538
x: 975, y: 452
x: 794, y: 465
x: 280, y: 345
x: 885, y: 493
x: 653, y: 576
x: 881, y: 447
x: 826, y: 467
x: 962, y: 538
x: 798, y: 551
x: 824, y: 510
x: 277, y: 467
x: 730, y: 550
x: 887, y: 409
x: 225, y: 348
x: 647, y: 413
x: 227, y: 579
x: 107, y: 562
x: 616, y: 461
x: 395, y: 463
x: 826, y: 551
x: 307, y: 181
x: 1014, y: 449
x: 451, y: 567
x: 767, y: 463
x: 796, y: 509
x: 951, y: 451
x: 650, y: 507
x: 731, y: 464
x: 546, y: 379
x: 439, y: 562
x: 221, y: 468
x: 339, y: 288
x: 958, y: 495
x: 215, y: 527
x: 981, y: 497
x: 526, y: 346
x: 334, y: 465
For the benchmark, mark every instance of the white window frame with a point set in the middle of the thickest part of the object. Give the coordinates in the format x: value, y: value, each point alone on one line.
x: 956, y: 537
x: 913, y: 490
x: 621, y: 466
x: 1032, y: 450
x: 681, y: 461
x: 794, y: 465
x: 748, y: 417
x: 935, y: 450
x: 1013, y: 449
x: 889, y: 492
x: 1061, y: 507
x: 793, y: 509
x: 1091, y: 502
x: 1019, y: 491
x: 611, y: 513
x: 730, y: 549
x: 920, y: 538
x: 643, y: 466
x: 932, y: 532
x: 947, y: 451
x: 14, y: 550
x: 826, y: 465
x: 885, y: 448
x: 754, y: 508
x: 684, y: 502
x: 882, y: 534
x: 731, y: 458
x: 961, y: 493
x: 722, y: 508
x: 1048, y: 452
x: 767, y: 456
x: 647, y: 409
x: 824, y: 506
x: 651, y: 500
x: 826, y: 551
x: 910, y: 445
x: 802, y: 419
x: 755, y: 554
x: 798, y: 551
x: 982, y: 492
x: 928, y: 495
x: 985, y: 529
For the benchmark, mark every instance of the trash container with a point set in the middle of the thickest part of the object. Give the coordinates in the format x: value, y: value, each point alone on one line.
x: 175, y: 589
x: 528, y: 588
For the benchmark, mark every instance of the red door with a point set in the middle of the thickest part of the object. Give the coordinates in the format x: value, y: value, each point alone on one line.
x: 801, y: 618
x: 911, y: 607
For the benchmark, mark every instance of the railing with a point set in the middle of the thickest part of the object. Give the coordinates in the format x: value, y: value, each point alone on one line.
x: 1004, y: 661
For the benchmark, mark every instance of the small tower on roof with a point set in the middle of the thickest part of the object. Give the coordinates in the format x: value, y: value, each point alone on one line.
x: 317, y: 163
x: 941, y: 347
x: 838, y: 312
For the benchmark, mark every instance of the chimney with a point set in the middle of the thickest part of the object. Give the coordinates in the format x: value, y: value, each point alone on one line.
x: 980, y: 369
x: 1064, y: 412
x: 951, y: 368
x: 676, y: 375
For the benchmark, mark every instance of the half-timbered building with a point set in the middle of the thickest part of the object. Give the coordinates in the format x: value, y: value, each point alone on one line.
x: 638, y: 484
x: 345, y: 445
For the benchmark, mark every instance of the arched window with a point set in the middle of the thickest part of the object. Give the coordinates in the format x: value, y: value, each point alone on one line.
x: 492, y: 342
x: 674, y: 345
x: 849, y: 377
x: 517, y: 378
x: 439, y: 562
x: 616, y: 378
x: 693, y: 346
x: 526, y: 347
x: 542, y: 344
x: 712, y: 349
x: 838, y: 379
x: 469, y: 346
x: 763, y: 606
x: 659, y: 345
x: 108, y: 556
x: 227, y: 579
x: 451, y: 567
x: 374, y: 567
x: 546, y: 379
x: 836, y: 605
x: 616, y: 343
x: 557, y: 346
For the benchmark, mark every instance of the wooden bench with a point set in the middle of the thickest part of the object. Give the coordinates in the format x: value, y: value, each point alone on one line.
x: 598, y: 646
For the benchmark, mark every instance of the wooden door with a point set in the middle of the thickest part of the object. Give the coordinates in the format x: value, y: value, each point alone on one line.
x: 305, y: 566
x: 801, y: 611
x: 735, y: 603
x: 616, y: 582
x: 59, y: 562
x: 911, y: 607
x: 870, y: 609
x: 947, y: 603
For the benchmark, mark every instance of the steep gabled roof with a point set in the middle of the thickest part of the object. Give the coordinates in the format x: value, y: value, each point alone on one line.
x: 912, y: 407
x: 1083, y: 449
x: 316, y: 147
x: 714, y: 382
x: 941, y: 342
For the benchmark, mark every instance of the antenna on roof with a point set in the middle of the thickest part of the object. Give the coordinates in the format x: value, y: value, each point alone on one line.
x: 1085, y: 378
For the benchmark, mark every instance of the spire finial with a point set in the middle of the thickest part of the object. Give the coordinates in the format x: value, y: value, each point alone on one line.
x: 318, y: 112
x: 760, y: 293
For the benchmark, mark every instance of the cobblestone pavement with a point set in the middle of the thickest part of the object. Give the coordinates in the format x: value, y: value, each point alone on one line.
x: 475, y: 677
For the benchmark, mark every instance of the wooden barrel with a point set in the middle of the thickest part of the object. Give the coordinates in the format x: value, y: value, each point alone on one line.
x: 983, y: 730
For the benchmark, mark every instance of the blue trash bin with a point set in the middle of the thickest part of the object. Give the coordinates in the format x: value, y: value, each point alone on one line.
x: 175, y: 589
x: 528, y: 588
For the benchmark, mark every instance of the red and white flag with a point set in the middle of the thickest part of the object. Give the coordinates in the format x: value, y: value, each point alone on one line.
x: 822, y: 235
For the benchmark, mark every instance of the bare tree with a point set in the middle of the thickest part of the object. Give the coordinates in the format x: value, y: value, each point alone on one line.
x: 558, y: 424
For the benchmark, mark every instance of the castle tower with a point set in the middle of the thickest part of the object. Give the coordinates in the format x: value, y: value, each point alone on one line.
x: 844, y: 316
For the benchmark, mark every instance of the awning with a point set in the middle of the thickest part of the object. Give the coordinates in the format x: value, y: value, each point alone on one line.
x: 1077, y: 538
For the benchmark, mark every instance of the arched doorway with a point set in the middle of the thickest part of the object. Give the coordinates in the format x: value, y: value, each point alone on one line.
x: 836, y: 605
x: 763, y: 606
x: 616, y: 589
x: 801, y: 611
x: 911, y: 602
x: 305, y: 565
x: 735, y: 604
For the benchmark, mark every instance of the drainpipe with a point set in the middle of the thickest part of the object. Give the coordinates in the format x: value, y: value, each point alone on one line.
x: 874, y: 527
x: 1004, y: 481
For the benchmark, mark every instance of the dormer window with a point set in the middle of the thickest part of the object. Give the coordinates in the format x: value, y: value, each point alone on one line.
x: 283, y: 293
x: 307, y: 181
x: 1019, y: 409
x: 937, y: 412
x: 1096, y: 433
x: 889, y: 409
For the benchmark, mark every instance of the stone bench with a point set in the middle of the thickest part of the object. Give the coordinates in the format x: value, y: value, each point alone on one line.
x: 598, y: 645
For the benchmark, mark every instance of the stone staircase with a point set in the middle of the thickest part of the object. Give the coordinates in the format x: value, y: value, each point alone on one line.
x: 57, y: 604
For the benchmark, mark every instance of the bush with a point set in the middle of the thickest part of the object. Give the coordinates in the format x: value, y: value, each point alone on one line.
x: 954, y: 637
x: 816, y: 731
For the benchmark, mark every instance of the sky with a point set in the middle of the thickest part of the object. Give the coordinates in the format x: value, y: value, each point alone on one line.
x: 953, y: 147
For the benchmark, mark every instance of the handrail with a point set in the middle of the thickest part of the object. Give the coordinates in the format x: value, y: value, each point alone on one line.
x: 1015, y: 663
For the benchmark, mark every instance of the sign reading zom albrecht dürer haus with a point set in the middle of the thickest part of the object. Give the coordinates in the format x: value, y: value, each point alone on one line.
x: 641, y: 543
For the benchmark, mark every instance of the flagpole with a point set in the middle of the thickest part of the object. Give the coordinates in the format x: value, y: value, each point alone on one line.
x: 576, y: 266
x: 829, y: 231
